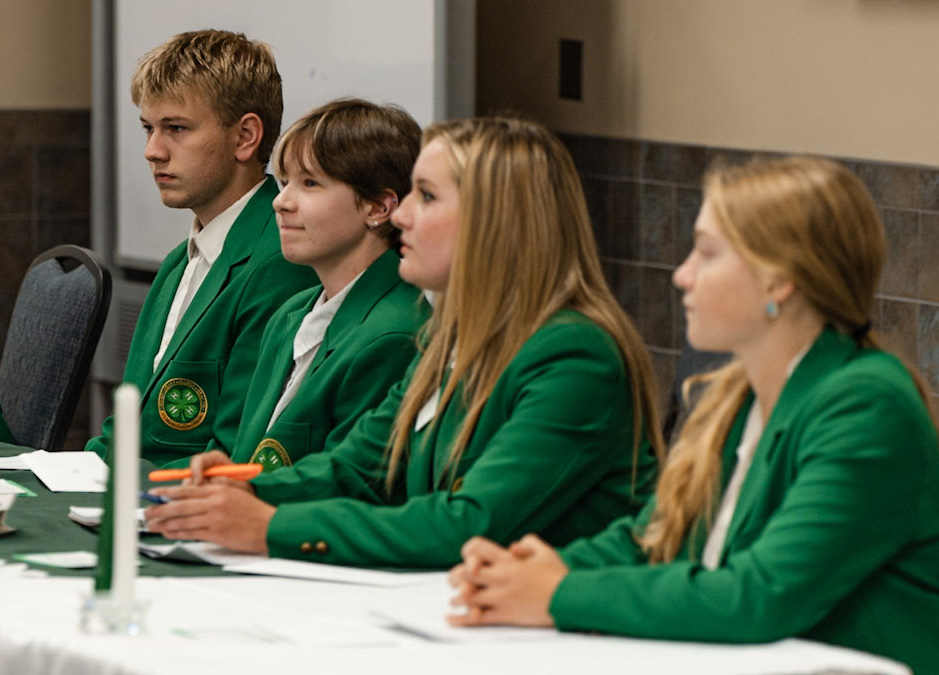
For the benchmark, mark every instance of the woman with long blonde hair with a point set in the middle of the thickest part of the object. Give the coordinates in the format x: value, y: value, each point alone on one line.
x: 802, y: 496
x: 531, y: 407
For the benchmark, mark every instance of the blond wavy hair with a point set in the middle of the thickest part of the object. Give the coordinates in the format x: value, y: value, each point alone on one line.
x: 235, y: 75
x: 525, y: 249
x: 813, y: 222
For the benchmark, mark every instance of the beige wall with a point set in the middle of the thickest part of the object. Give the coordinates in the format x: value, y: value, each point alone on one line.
x: 45, y: 54
x: 853, y: 78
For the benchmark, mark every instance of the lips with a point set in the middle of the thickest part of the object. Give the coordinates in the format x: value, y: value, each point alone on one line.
x: 161, y: 177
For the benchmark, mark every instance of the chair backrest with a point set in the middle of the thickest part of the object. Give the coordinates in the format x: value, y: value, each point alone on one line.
x: 57, y: 320
x: 691, y: 362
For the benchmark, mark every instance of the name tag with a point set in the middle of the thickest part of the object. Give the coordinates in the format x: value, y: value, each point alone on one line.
x: 427, y: 413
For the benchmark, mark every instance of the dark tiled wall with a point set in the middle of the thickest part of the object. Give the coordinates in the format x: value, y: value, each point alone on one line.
x: 44, y: 202
x: 643, y: 198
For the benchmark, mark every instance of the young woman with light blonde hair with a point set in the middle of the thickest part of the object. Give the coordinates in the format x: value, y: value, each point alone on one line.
x: 802, y: 496
x: 531, y: 407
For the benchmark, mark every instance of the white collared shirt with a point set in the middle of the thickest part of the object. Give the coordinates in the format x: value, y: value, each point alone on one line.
x: 307, y: 341
x: 204, y: 248
x: 752, y: 432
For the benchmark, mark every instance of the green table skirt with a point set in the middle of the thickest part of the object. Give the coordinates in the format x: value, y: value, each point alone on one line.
x: 43, y: 526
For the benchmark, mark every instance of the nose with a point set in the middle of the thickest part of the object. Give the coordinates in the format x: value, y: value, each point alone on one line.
x: 282, y: 202
x: 683, y: 277
x: 155, y: 150
x: 401, y: 217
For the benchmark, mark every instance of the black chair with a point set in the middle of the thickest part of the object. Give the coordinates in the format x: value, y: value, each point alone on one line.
x: 57, y: 320
x: 691, y: 362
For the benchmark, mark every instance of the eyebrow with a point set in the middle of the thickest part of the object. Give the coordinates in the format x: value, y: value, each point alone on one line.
x: 166, y: 120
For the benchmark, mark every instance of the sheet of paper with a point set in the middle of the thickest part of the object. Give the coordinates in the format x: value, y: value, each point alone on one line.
x: 297, y: 569
x: 68, y: 471
x: 6, y: 503
x: 9, y: 487
x: 14, y: 463
x: 196, y: 552
x: 90, y: 516
x: 73, y: 560
x: 422, y: 611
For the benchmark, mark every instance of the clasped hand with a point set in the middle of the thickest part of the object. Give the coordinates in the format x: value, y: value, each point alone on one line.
x: 511, y: 585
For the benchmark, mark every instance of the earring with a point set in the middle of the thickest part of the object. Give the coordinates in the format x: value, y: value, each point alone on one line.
x: 772, y: 309
x: 372, y: 225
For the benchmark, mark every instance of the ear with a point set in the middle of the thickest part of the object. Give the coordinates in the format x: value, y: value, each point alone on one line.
x: 250, y: 133
x: 380, y: 211
x: 780, y: 289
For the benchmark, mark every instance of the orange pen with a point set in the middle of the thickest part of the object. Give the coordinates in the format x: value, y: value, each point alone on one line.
x: 235, y: 471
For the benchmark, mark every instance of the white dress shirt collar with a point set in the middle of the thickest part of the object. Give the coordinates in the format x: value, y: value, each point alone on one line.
x: 209, y: 238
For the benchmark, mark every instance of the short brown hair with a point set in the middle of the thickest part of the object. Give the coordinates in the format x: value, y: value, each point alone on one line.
x: 236, y: 75
x: 371, y: 148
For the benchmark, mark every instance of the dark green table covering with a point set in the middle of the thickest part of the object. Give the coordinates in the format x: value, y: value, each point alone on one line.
x: 43, y: 526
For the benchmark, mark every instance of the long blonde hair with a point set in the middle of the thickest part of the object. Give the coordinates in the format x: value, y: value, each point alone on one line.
x: 525, y: 250
x: 813, y: 222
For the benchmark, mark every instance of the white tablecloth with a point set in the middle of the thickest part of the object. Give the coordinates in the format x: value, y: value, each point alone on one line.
x: 273, y: 626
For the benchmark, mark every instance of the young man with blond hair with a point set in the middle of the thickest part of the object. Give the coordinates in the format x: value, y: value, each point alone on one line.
x: 210, y: 105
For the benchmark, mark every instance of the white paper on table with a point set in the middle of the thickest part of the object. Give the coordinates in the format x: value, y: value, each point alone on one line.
x: 14, y: 463
x: 242, y: 611
x: 90, y: 516
x: 68, y: 471
x: 297, y: 569
x: 8, y: 488
x: 422, y: 610
x: 73, y: 560
x: 6, y: 503
x: 196, y: 552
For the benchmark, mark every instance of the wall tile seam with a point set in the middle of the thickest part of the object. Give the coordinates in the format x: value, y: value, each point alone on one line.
x: 906, y: 300
x: 877, y: 163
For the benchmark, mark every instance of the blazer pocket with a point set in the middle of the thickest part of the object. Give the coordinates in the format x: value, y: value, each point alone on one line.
x: 181, y: 409
x: 288, y: 440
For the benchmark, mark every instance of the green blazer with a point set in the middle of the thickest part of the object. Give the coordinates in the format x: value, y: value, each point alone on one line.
x: 551, y: 453
x: 194, y: 398
x: 367, y: 348
x: 835, y: 536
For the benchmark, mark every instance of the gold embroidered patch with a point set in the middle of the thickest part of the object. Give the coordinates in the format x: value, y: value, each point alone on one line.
x: 270, y: 455
x: 182, y: 404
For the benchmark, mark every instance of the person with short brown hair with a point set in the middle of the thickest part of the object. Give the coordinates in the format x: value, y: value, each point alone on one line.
x: 331, y: 353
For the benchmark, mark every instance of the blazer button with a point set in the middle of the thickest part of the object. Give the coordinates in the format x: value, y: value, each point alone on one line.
x: 322, y: 547
x: 306, y: 547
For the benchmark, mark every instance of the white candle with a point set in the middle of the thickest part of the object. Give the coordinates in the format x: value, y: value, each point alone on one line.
x: 126, y: 469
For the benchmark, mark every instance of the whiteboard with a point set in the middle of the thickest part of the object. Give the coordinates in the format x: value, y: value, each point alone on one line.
x: 387, y: 51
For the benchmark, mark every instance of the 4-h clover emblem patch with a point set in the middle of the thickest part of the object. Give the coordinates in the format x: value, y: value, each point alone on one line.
x: 270, y: 455
x: 182, y: 404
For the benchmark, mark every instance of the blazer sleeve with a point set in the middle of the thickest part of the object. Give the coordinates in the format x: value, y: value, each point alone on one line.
x: 354, y: 468
x: 566, y: 423
x: 377, y: 367
x: 851, y: 506
x: 616, y: 545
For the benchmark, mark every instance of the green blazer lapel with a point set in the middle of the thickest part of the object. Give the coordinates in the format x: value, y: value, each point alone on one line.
x: 239, y: 245
x: 829, y: 352
x: 380, y: 277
